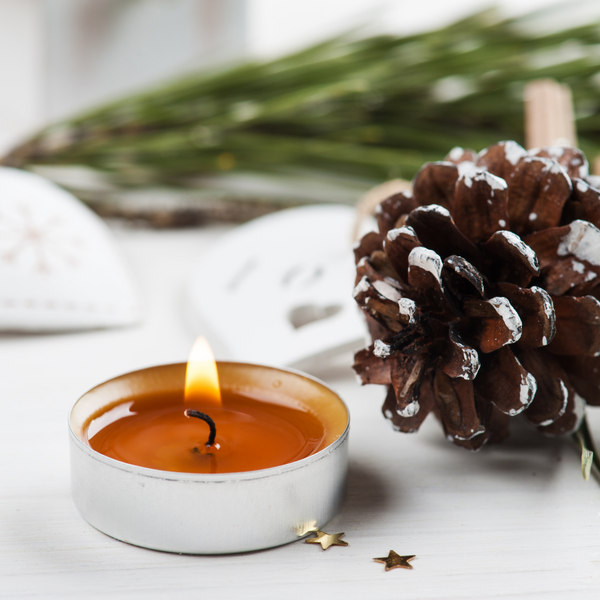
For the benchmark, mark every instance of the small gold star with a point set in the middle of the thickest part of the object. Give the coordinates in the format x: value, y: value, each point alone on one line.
x: 306, y: 527
x: 327, y: 539
x: 395, y: 561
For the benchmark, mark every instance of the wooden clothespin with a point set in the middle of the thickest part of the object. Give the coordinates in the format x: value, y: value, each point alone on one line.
x: 370, y: 201
x: 549, y: 117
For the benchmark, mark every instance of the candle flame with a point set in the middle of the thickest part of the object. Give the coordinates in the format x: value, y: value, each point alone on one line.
x: 201, y: 377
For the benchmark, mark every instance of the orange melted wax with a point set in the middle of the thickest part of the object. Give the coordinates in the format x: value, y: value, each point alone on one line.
x: 152, y: 431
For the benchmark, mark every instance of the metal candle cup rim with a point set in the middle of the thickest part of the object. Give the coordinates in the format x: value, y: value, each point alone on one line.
x: 209, y: 477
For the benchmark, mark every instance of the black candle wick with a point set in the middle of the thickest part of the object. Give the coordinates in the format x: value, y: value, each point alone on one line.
x: 213, y: 429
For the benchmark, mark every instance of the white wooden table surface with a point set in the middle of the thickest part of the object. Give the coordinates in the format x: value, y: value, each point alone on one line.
x: 515, y: 520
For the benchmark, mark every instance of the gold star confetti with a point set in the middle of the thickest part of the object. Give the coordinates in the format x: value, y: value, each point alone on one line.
x: 395, y: 561
x: 306, y: 527
x: 327, y: 539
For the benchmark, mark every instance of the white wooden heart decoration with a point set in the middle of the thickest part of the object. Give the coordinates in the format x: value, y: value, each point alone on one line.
x: 59, y: 268
x: 278, y: 290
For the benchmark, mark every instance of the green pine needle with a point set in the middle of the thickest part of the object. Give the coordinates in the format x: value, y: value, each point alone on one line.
x: 363, y: 109
x: 589, y: 455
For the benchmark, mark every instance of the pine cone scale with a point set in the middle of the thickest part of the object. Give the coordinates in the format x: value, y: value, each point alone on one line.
x: 501, y: 159
x: 369, y: 243
x: 461, y: 278
x: 505, y: 382
x: 407, y: 375
x: 587, y: 201
x: 425, y: 278
x: 571, y: 159
x: 398, y: 245
x: 539, y: 188
x: 383, y: 310
x: 455, y: 400
x: 372, y: 369
x: 569, y: 257
x: 437, y: 231
x: 459, y: 360
x: 480, y: 205
x: 510, y: 259
x: 536, y: 311
x: 553, y: 388
x: 577, y: 326
x: 584, y: 375
x: 435, y: 183
x: 570, y: 420
x: 491, y: 324
x: 392, y: 208
x: 409, y: 424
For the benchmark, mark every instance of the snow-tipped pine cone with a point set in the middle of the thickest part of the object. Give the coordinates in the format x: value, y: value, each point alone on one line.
x: 481, y: 294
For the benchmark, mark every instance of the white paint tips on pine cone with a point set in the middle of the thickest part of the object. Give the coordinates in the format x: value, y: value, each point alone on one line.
x: 481, y: 292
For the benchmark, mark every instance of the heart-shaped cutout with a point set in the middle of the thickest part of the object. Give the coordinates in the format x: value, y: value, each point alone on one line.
x: 311, y: 313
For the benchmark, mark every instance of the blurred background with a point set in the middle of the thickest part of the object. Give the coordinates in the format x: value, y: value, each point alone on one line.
x: 174, y: 112
x: 59, y: 57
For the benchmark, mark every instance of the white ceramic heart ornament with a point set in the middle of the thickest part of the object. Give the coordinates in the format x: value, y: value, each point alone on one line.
x: 278, y: 290
x: 59, y: 268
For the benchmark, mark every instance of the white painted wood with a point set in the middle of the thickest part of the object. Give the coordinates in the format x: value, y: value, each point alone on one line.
x: 513, y: 521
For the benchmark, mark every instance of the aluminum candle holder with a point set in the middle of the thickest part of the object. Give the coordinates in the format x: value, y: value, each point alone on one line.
x: 211, y: 513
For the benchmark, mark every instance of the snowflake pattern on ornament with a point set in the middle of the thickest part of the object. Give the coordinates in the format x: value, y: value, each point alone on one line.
x: 42, y: 243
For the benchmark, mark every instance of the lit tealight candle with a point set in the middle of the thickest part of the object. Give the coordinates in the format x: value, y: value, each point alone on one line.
x: 165, y: 430
x: 147, y: 449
